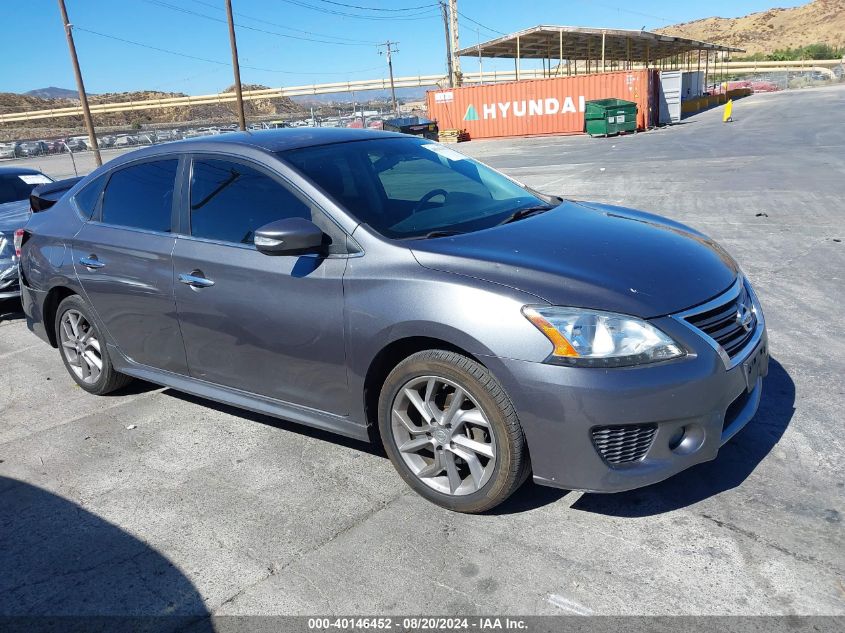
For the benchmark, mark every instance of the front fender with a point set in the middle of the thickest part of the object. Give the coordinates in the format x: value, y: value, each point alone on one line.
x: 480, y: 317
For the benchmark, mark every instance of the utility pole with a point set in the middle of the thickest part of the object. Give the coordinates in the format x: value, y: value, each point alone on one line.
x: 388, y: 45
x: 480, y: 64
x: 453, y: 28
x: 235, y: 66
x: 445, y: 11
x: 80, y: 86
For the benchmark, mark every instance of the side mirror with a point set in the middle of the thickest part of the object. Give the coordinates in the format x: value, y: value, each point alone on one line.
x: 291, y: 236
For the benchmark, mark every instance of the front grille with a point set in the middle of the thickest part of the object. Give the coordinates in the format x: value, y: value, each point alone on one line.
x: 730, y: 324
x: 623, y: 444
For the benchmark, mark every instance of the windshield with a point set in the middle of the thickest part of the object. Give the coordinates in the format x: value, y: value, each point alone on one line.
x: 14, y: 187
x: 409, y: 187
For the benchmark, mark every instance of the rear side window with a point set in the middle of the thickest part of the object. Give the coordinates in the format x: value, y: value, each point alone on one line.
x: 229, y: 201
x: 141, y: 196
x: 86, y: 200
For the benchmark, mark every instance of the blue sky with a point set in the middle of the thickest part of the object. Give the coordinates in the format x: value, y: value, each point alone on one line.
x: 36, y: 56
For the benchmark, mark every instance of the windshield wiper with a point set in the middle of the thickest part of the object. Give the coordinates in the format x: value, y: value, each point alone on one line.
x: 525, y: 212
x: 441, y: 233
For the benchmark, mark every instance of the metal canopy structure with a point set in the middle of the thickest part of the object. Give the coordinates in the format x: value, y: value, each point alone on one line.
x: 580, y: 43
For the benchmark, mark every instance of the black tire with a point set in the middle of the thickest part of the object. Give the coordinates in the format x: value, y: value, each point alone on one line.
x: 109, y: 379
x: 512, y: 465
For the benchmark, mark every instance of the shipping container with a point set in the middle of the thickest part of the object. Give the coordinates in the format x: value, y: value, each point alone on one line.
x: 692, y: 84
x: 539, y: 106
x: 669, y: 97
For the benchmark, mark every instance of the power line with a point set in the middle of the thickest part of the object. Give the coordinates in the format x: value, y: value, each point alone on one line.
x: 639, y: 13
x: 355, y: 6
x: 205, y: 16
x: 288, y: 28
x: 148, y: 46
x: 216, y: 61
x: 425, y: 14
x: 466, y: 17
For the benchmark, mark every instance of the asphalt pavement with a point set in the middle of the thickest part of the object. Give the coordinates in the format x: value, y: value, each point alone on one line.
x: 150, y: 502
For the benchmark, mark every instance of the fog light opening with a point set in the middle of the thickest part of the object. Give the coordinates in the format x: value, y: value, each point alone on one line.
x: 677, y: 438
x: 686, y: 439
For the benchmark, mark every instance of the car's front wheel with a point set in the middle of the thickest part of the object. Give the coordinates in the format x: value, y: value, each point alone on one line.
x: 451, y: 431
x: 83, y: 349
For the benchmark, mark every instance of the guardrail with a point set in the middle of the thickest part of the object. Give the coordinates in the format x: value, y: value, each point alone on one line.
x: 420, y: 81
x: 226, y: 97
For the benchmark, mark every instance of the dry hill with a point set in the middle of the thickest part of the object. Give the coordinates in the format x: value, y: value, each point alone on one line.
x: 818, y: 22
x: 213, y: 113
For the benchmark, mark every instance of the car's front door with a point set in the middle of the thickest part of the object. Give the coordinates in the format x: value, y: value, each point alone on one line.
x: 122, y: 258
x: 269, y: 325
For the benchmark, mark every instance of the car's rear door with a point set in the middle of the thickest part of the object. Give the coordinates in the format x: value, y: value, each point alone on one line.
x: 123, y: 259
x: 269, y: 325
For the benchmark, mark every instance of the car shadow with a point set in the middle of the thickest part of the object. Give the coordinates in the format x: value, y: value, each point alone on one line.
x: 530, y: 496
x: 10, y: 310
x: 736, y: 460
x: 134, y: 388
x: 66, y: 569
x: 373, y: 448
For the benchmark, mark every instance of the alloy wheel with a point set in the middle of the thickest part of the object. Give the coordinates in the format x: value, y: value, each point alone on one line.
x: 443, y: 435
x: 80, y: 346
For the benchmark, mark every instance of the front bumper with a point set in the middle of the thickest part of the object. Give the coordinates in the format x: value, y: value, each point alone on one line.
x: 696, y: 397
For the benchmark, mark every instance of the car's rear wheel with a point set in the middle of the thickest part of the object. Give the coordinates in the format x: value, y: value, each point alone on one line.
x: 451, y: 431
x: 83, y: 349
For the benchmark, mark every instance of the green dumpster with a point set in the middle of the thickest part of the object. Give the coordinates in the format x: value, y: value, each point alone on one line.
x: 610, y: 116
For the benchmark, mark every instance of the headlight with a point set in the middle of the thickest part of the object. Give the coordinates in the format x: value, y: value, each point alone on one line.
x: 590, y: 338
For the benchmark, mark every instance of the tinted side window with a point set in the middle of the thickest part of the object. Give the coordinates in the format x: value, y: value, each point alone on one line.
x: 141, y: 196
x: 229, y: 201
x: 86, y: 200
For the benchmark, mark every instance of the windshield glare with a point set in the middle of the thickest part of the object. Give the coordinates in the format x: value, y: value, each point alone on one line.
x: 408, y: 187
x: 14, y: 187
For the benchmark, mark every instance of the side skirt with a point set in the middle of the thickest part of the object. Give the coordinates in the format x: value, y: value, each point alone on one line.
x: 241, y: 399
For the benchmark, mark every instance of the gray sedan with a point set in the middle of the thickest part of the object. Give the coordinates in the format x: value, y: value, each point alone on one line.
x: 387, y: 287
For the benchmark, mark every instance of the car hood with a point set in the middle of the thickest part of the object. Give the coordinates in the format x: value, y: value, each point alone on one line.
x: 14, y: 215
x: 592, y: 256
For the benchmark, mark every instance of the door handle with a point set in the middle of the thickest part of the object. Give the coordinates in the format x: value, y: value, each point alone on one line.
x: 91, y: 262
x: 194, y: 279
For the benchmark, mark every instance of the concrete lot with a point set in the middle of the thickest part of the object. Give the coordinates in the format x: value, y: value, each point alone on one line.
x: 154, y: 502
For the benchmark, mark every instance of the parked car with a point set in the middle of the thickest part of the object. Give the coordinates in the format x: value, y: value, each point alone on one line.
x: 56, y: 146
x: 163, y: 136
x: 414, y: 125
x: 7, y: 150
x: 16, y: 183
x: 125, y: 140
x: 77, y: 144
x: 31, y: 148
x: 370, y: 282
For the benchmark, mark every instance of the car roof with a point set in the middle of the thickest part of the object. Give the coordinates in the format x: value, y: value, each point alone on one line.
x: 263, y: 141
x: 17, y: 171
x: 277, y: 140
x: 283, y: 139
